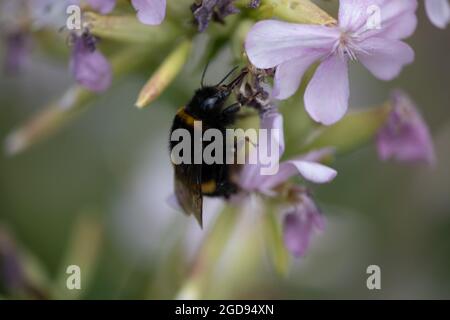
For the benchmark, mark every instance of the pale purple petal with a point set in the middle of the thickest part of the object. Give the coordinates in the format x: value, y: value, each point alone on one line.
x: 353, y: 14
x: 296, y: 234
x: 273, y: 122
x: 289, y: 74
x: 327, y: 94
x: 311, y: 171
x: 250, y: 178
x: 397, y: 19
x: 314, y: 172
x: 385, y: 58
x: 102, y: 6
x: 405, y: 136
x: 90, y: 67
x: 151, y: 12
x: 300, y: 224
x: 439, y: 12
x: 306, y: 166
x: 270, y: 42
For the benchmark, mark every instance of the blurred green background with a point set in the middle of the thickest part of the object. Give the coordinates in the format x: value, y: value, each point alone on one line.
x: 96, y: 195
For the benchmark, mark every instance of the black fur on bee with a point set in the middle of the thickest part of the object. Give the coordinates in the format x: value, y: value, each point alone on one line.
x: 193, y: 181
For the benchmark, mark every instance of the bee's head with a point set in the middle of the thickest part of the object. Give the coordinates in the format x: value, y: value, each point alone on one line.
x: 212, y: 98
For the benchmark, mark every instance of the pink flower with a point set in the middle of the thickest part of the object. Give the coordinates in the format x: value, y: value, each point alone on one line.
x: 102, y: 6
x: 88, y: 65
x: 18, y: 51
x: 293, y: 48
x: 300, y: 223
x: 405, y: 136
x: 303, y: 219
x: 151, y: 12
x: 439, y: 12
x: 307, y: 166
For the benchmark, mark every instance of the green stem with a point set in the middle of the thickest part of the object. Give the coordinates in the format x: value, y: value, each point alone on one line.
x: 211, y: 250
x: 127, y: 28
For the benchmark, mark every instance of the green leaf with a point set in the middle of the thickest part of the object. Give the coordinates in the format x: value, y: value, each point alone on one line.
x: 349, y: 134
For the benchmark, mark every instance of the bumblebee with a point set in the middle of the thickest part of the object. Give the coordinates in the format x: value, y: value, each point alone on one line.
x: 193, y: 181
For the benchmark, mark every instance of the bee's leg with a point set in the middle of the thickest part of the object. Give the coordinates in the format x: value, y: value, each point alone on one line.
x: 229, y: 113
x: 231, y: 110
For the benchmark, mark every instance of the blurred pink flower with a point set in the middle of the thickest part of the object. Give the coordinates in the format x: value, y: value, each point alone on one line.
x: 89, y: 66
x: 300, y: 223
x: 405, y: 136
x: 102, y: 6
x: 439, y: 12
x: 293, y: 48
x: 18, y: 50
x: 151, y: 12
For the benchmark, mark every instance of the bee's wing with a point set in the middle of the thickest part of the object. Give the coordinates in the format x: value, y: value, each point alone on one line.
x: 188, y: 189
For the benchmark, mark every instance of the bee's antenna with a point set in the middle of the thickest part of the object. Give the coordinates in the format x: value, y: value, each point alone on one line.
x: 226, y: 77
x: 203, y: 75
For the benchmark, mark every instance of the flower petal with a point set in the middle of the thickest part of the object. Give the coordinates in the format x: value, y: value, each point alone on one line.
x: 270, y: 42
x: 18, y: 50
x: 250, y: 177
x: 397, y: 19
x: 151, y: 12
x: 273, y: 122
x: 289, y: 74
x: 353, y: 14
x: 439, y: 12
x: 327, y: 94
x: 313, y: 171
x: 296, y: 234
x: 90, y: 68
x: 102, y: 6
x: 300, y: 224
x: 308, y: 169
x: 405, y: 136
x: 385, y: 58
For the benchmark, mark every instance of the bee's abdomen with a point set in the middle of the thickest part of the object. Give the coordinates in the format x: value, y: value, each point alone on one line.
x: 214, y: 177
x: 184, y: 117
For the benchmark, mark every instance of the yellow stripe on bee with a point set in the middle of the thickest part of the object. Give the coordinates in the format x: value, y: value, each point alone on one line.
x: 209, y: 187
x: 187, y: 118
